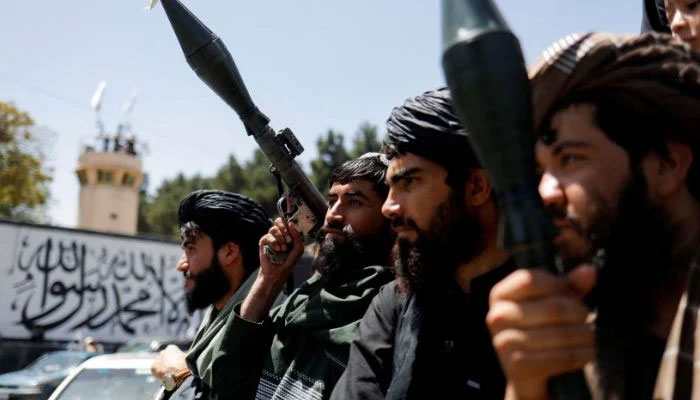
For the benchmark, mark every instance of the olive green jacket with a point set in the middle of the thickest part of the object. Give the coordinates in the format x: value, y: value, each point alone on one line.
x: 300, y: 350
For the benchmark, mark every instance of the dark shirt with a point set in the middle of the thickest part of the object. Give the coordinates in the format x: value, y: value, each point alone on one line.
x: 420, y: 346
x: 642, y: 366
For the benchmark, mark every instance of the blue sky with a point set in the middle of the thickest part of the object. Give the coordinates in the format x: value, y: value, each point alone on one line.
x: 309, y: 64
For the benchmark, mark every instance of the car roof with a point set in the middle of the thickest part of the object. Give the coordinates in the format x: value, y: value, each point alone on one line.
x: 147, y: 339
x: 107, y: 361
x: 120, y: 360
x: 71, y: 352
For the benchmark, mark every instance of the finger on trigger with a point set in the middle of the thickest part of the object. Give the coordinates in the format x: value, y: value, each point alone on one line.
x: 280, y: 224
x: 284, y: 230
x: 278, y: 240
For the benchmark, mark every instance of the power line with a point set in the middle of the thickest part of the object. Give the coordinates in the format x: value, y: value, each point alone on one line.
x: 38, y: 89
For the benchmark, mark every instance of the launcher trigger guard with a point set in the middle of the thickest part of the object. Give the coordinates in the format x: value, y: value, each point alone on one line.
x: 299, y: 214
x: 287, y: 216
x: 287, y: 213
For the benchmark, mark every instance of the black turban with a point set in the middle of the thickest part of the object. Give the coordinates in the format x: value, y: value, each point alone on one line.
x: 651, y: 74
x: 654, y: 68
x: 654, y: 17
x: 427, y: 126
x: 226, y: 216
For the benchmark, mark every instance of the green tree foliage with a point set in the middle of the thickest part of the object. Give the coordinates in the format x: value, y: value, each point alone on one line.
x: 160, y: 212
x: 142, y: 224
x: 24, y: 178
x: 331, y: 152
x: 261, y: 185
x: 365, y: 140
x: 230, y: 176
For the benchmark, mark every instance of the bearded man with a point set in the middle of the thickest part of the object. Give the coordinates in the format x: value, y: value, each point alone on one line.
x: 220, y: 233
x: 424, y: 335
x: 617, y: 121
x: 299, y: 349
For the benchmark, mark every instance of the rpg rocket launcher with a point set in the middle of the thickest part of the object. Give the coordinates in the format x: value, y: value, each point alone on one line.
x: 302, y: 203
x: 485, y: 71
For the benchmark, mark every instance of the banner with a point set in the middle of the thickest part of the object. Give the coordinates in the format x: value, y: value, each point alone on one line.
x: 70, y: 283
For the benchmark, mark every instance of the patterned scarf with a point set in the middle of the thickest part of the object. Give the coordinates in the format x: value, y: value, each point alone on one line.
x: 679, y: 373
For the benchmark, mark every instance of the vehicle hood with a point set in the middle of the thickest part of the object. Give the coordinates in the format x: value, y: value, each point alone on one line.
x: 30, y: 377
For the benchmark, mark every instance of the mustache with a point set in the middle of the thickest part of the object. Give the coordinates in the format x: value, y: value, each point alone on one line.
x: 560, y: 214
x: 346, y: 229
x: 398, y: 222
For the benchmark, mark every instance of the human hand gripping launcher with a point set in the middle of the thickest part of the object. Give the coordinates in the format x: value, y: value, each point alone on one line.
x: 302, y: 204
x: 491, y: 93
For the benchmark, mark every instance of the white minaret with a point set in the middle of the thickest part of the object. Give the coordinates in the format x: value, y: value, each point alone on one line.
x: 110, y: 177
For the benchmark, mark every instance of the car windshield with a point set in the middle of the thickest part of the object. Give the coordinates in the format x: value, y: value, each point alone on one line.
x: 136, y: 347
x: 152, y: 346
x: 54, y: 362
x: 108, y: 384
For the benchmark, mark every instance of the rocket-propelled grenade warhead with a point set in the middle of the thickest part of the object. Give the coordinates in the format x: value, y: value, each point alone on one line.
x: 491, y: 93
x: 211, y: 60
x: 485, y: 72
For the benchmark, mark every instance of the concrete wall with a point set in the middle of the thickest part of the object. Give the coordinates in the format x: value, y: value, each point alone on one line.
x: 108, y: 208
x: 80, y: 283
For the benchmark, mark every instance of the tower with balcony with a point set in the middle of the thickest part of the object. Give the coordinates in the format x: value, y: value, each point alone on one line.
x: 110, y: 178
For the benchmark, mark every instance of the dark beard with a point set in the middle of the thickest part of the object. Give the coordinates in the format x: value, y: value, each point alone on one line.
x: 210, y: 285
x: 595, y: 235
x: 633, y: 256
x: 452, y: 238
x: 335, y: 256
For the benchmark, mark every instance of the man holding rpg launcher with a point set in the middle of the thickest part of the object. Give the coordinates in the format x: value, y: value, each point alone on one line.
x: 618, y: 121
x: 299, y: 349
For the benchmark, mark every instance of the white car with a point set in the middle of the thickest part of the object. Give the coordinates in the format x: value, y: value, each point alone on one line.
x: 110, y: 377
